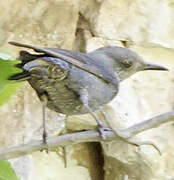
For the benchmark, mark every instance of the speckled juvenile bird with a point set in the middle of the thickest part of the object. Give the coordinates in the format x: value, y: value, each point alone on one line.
x: 72, y: 83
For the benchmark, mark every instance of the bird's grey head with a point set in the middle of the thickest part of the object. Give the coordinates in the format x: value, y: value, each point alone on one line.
x: 123, y: 61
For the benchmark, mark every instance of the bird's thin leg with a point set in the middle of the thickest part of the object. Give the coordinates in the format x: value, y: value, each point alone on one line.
x: 44, y: 136
x: 44, y: 124
x: 64, y: 156
x: 84, y: 100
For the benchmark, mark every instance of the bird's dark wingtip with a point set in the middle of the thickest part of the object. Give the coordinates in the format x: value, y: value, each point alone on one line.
x: 37, y: 49
x: 17, y: 44
x: 11, y: 42
x: 14, y: 43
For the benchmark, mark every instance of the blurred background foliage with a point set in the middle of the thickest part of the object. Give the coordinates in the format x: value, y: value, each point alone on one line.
x: 7, y: 172
x: 7, y: 68
x: 7, y: 88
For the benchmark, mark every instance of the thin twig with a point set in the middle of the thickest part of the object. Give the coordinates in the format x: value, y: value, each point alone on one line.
x: 149, y: 124
x: 85, y: 136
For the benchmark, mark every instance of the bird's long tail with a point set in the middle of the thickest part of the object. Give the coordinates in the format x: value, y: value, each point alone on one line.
x: 23, y: 76
x: 24, y: 57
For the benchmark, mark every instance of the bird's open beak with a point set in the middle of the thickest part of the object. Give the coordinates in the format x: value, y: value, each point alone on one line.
x: 155, y: 67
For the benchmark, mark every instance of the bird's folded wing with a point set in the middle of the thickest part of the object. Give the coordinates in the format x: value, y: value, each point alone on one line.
x: 79, y: 60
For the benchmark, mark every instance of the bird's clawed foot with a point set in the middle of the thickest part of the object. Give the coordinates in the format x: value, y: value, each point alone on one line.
x: 124, y: 136
x: 44, y: 136
x: 103, y: 131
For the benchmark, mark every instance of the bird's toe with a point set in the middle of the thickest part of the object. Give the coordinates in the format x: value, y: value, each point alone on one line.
x: 103, y: 132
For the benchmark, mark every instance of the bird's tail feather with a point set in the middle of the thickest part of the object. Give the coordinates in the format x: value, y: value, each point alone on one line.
x: 24, y: 57
x: 23, y: 76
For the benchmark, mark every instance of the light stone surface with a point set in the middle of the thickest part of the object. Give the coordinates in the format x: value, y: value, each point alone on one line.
x: 138, y: 21
x: 51, y: 166
x: 143, y: 26
x: 39, y: 22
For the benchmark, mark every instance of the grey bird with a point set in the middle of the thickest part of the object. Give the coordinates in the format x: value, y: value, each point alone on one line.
x: 73, y: 83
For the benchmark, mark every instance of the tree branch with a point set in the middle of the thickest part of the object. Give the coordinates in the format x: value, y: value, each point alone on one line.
x: 85, y: 136
x: 148, y: 124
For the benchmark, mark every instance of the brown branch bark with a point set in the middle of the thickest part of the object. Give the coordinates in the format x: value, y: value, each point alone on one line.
x: 85, y: 136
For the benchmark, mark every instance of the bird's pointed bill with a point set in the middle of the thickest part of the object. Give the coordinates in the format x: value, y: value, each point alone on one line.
x: 155, y: 67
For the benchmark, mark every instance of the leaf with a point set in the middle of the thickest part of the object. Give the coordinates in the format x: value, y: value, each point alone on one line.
x: 7, y: 88
x: 7, y: 172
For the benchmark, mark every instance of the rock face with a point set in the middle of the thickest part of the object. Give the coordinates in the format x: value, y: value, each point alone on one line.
x: 143, y: 26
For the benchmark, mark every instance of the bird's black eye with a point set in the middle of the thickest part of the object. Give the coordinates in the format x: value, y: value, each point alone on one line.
x: 127, y: 64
